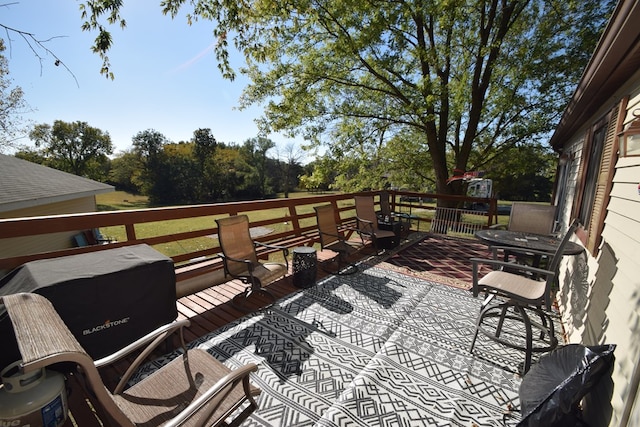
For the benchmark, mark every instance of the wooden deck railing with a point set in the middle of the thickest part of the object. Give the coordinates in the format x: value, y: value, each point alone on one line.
x: 291, y: 222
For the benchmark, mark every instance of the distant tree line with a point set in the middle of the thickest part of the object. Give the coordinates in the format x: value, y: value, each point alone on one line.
x: 201, y: 170
x: 399, y: 93
x: 422, y: 89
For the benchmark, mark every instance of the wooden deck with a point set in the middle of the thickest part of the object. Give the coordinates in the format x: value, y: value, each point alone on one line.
x: 213, y: 308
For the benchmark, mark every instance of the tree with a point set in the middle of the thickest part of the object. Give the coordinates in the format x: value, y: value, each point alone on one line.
x: 289, y: 161
x: 526, y: 174
x: 319, y: 174
x: 465, y: 78
x: 230, y: 182
x: 38, y: 47
x: 148, y: 146
x: 204, y: 149
x: 253, y: 156
x: 179, y: 181
x: 408, y: 162
x: 204, y: 145
x: 175, y: 173
x: 73, y: 147
x: 12, y: 106
x: 125, y: 173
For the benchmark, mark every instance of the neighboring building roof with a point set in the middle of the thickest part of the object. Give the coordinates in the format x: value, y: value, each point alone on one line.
x: 615, y: 60
x: 25, y: 184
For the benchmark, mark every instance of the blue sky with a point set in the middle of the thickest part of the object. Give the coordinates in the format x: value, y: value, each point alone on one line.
x: 166, y: 76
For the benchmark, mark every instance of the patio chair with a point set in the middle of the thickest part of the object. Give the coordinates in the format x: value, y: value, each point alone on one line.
x: 368, y: 223
x: 531, y: 218
x: 387, y: 215
x: 194, y: 389
x: 331, y: 240
x: 240, y: 259
x: 509, y: 295
x: 91, y: 237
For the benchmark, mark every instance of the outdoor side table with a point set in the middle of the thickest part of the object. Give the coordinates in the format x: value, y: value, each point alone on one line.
x: 305, y: 266
x: 390, y: 242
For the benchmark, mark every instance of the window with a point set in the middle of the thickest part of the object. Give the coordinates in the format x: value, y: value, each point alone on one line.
x: 595, y: 177
x: 593, y: 159
x: 565, y: 163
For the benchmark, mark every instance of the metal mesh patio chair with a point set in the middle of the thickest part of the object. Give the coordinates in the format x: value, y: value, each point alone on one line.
x: 531, y: 218
x: 512, y: 294
x: 194, y: 389
x: 333, y: 241
x: 241, y: 260
x: 391, y: 216
x: 368, y: 223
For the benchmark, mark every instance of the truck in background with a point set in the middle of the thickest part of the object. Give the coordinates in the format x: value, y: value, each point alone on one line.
x: 480, y: 187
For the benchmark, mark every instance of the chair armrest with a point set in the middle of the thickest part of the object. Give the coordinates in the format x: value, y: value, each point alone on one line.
x: 151, y: 341
x: 232, y: 378
x: 367, y: 223
x: 498, y: 227
x: 337, y: 236
x: 284, y: 249
x: 164, y: 331
x: 522, y: 267
x: 346, y: 229
x: 226, y: 258
x: 516, y: 250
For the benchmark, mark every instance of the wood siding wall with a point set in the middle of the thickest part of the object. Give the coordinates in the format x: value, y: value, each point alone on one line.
x: 600, y: 291
x: 46, y: 242
x: 622, y: 233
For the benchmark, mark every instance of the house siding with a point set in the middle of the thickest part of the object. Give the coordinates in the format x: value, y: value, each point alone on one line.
x: 54, y: 241
x: 622, y: 233
x: 599, y: 295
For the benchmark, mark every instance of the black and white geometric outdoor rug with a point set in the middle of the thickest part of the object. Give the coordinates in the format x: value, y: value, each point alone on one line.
x: 376, y: 348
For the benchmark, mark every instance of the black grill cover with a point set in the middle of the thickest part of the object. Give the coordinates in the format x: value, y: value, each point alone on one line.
x: 551, y: 391
x: 107, y: 298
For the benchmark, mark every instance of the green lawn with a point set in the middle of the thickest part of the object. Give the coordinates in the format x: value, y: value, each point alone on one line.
x: 120, y: 200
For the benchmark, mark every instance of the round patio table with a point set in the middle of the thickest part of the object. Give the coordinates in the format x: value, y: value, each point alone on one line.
x: 532, y: 241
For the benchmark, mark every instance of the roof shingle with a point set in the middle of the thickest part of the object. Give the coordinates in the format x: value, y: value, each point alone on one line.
x: 24, y: 184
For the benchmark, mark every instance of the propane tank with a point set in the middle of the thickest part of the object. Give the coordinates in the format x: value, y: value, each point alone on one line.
x: 33, y: 399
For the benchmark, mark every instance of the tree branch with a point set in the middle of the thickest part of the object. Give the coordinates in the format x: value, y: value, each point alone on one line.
x: 36, y: 46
